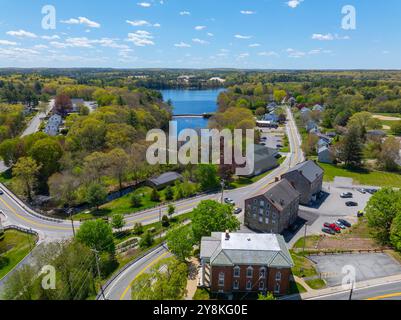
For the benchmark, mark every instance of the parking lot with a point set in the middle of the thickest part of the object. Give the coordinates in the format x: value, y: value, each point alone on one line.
x: 367, y: 266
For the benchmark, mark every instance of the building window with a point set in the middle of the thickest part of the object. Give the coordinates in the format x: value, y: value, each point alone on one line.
x: 277, y: 288
x: 278, y: 276
x: 221, y: 279
x: 262, y: 273
x: 261, y: 285
x: 262, y: 204
x: 267, y: 220
x: 236, y: 285
x: 261, y: 212
x: 249, y: 272
x: 237, y: 272
x: 260, y: 219
x: 249, y: 285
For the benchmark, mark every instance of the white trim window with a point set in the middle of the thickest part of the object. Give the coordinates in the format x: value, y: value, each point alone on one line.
x: 249, y: 285
x: 249, y: 272
x: 277, y: 288
x: 236, y: 285
x: 237, y: 272
x: 261, y: 285
x: 278, y: 276
x: 222, y: 277
x: 262, y: 273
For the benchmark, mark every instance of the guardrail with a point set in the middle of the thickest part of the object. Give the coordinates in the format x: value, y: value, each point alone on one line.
x: 21, y: 229
x: 26, y: 207
x: 119, y: 272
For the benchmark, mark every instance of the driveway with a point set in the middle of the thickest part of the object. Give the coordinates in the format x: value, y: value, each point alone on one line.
x: 367, y: 266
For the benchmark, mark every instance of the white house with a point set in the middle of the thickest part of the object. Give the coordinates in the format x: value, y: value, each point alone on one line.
x: 53, y: 125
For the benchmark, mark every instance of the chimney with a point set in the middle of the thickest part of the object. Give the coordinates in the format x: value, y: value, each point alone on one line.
x: 227, y: 235
x: 277, y: 179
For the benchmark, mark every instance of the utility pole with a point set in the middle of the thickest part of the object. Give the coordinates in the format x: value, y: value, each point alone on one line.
x: 98, y: 272
x: 352, y: 290
x: 222, y: 190
x: 160, y: 219
x: 72, y: 222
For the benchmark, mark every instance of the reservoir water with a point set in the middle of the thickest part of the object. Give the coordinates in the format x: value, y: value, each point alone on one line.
x: 192, y: 102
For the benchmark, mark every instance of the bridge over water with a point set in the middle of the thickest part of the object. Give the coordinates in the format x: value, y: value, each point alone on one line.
x: 189, y: 115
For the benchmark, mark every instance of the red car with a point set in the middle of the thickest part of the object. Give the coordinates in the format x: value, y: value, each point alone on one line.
x: 334, y: 227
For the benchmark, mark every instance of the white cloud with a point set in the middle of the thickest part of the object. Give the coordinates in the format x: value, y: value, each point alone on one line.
x: 7, y: 43
x: 22, y: 34
x: 182, y: 45
x: 144, y: 4
x: 54, y: 37
x: 199, y: 28
x: 294, y: 3
x: 248, y: 12
x: 254, y: 45
x: 185, y: 13
x: 41, y: 46
x: 268, y: 54
x: 210, y: 34
x: 200, y: 41
x: 243, y: 55
x: 143, y: 23
x: 323, y: 37
x: 82, y: 20
x: 239, y: 36
x: 295, y: 53
x: 141, y: 38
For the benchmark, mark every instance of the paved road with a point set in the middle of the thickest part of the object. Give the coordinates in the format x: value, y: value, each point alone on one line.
x: 34, y: 125
x: 390, y: 291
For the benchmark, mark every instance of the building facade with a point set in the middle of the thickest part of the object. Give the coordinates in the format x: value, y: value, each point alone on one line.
x: 244, y: 263
x: 274, y: 210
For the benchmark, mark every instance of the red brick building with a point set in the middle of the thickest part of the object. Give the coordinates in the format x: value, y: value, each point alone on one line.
x: 240, y: 263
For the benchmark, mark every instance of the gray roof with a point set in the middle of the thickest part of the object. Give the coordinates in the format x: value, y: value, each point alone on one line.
x: 309, y: 169
x: 167, y: 177
x: 323, y: 149
x: 246, y: 249
x: 263, y: 152
x: 281, y: 194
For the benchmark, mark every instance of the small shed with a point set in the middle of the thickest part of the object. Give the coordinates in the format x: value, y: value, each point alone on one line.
x: 164, y: 180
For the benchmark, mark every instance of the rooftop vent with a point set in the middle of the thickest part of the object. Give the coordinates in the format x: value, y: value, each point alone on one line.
x: 227, y: 235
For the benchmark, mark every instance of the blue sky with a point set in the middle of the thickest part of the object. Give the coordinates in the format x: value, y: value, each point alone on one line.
x: 270, y: 34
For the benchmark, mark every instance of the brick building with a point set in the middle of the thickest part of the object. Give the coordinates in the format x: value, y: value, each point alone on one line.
x: 274, y: 210
x: 245, y: 263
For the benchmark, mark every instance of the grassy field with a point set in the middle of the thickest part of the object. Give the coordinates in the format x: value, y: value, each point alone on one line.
x: 311, y: 242
x: 369, y: 178
x: 14, y: 247
x: 303, y: 267
x: 316, y: 284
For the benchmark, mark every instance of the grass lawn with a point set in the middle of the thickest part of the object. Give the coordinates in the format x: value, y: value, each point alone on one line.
x: 121, y: 205
x: 316, y: 284
x: 303, y: 266
x: 14, y: 247
x: 311, y: 242
x: 370, y: 178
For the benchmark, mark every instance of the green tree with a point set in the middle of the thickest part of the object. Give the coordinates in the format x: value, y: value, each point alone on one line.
x: 118, y: 221
x: 169, y: 193
x: 395, y: 232
x: 98, y: 235
x: 155, y: 196
x: 167, y: 285
x: 396, y: 128
x: 146, y: 241
x: 26, y: 172
x: 138, y: 229
x: 136, y: 200
x: 165, y: 221
x: 180, y: 242
x: 118, y: 165
x: 279, y: 95
x: 207, y: 176
x: 17, y: 288
x: 381, y: 210
x: 211, y: 216
x: 96, y: 195
x: 350, y: 150
x: 171, y: 210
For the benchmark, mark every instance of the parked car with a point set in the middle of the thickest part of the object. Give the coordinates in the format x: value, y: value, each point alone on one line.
x: 335, y: 228
x: 328, y: 231
x: 371, y: 191
x: 327, y: 225
x: 351, y: 204
x: 345, y: 223
x: 347, y: 195
x: 229, y: 201
x: 340, y: 225
x: 363, y: 191
x: 237, y: 210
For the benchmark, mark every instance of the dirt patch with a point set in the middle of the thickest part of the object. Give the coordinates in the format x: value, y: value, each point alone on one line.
x: 347, y: 243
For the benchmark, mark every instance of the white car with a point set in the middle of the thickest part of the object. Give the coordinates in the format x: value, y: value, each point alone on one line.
x: 229, y: 201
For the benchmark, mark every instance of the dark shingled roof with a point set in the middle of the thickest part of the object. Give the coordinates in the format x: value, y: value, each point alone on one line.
x: 281, y: 194
x: 310, y: 170
x: 167, y: 177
